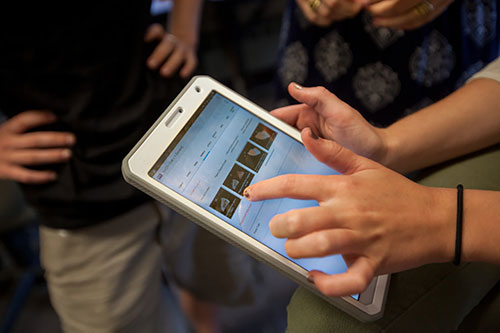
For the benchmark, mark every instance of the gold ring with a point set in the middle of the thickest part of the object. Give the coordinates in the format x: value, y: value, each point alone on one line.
x: 424, y: 8
x: 314, y: 4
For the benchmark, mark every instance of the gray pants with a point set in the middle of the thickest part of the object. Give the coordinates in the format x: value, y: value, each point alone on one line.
x: 107, y: 278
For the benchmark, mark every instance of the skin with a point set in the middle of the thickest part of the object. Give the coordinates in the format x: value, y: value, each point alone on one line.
x: 400, y: 14
x: 372, y: 215
x: 19, y: 150
x: 406, y: 145
x: 329, y: 11
x: 376, y: 229
x: 176, y: 50
x: 396, y: 14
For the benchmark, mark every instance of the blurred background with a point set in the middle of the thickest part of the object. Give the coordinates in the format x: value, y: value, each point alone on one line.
x: 238, y: 46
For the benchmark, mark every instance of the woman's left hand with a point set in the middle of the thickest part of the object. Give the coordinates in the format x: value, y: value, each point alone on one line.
x: 405, y: 14
x: 378, y: 220
x: 172, y: 53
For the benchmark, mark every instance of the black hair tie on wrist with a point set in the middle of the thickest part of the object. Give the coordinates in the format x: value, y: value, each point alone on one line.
x: 460, y: 209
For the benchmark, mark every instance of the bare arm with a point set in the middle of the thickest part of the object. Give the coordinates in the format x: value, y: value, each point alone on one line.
x: 176, y: 50
x: 463, y: 122
x: 185, y: 20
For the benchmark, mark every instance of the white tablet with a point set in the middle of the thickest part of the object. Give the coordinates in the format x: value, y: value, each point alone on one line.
x: 205, y: 149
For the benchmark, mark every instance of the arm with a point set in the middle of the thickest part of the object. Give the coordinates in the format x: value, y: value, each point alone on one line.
x: 463, y: 122
x: 378, y: 220
x: 177, y: 47
x: 185, y: 20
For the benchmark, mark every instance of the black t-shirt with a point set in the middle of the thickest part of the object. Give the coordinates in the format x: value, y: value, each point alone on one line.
x: 85, y: 61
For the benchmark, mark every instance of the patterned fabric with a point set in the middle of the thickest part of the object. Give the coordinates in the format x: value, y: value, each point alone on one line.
x: 384, y: 73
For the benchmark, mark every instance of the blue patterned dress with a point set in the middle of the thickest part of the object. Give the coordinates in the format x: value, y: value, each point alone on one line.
x: 384, y: 73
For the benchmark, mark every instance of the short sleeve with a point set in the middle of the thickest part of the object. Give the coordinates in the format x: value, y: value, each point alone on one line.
x: 492, y: 71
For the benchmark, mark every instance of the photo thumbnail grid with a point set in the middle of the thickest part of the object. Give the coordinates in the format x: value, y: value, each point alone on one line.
x: 243, y: 171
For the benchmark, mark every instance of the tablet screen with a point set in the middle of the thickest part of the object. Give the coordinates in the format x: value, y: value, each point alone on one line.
x: 222, y: 150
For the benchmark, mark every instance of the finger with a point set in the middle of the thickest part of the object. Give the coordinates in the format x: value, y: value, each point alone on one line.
x: 161, y: 52
x: 37, y: 156
x: 302, y: 187
x: 318, y: 98
x: 334, y: 155
x: 28, y: 120
x: 299, y: 222
x: 411, y: 19
x: 43, y: 140
x: 338, y: 10
x: 354, y: 281
x: 154, y: 32
x: 173, y: 62
x: 326, y: 7
x: 392, y: 7
x: 299, y: 116
x: 322, y: 243
x: 288, y: 114
x: 189, y: 65
x: 308, y: 12
x: 26, y: 176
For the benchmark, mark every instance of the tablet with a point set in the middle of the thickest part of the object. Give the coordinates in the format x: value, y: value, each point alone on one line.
x: 205, y: 149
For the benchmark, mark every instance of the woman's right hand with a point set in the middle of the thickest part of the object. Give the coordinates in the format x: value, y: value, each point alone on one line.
x: 330, y: 118
x: 19, y: 149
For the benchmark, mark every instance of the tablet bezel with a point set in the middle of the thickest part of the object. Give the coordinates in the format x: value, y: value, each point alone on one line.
x: 148, y: 150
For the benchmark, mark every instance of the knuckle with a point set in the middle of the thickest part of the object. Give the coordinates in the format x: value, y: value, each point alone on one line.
x: 288, y: 181
x: 294, y: 223
x: 323, y: 243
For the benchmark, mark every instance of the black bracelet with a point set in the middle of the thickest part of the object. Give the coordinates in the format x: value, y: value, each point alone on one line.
x: 458, y: 240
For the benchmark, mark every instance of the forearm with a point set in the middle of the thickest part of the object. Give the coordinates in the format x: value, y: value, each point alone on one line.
x: 463, y: 122
x: 185, y: 20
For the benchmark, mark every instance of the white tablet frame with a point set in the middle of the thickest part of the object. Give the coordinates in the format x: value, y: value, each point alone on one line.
x: 137, y: 164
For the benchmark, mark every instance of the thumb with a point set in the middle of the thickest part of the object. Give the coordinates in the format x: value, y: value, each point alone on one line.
x: 318, y: 98
x: 334, y: 155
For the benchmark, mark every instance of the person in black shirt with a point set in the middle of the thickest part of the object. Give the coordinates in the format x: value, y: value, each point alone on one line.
x: 81, y: 83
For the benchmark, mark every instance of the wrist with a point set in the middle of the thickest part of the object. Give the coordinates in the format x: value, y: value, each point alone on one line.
x: 384, y: 151
x: 442, y: 217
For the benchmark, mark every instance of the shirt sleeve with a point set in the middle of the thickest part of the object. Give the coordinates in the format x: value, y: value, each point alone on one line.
x: 491, y: 71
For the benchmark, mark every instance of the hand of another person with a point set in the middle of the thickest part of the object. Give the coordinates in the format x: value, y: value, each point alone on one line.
x: 19, y: 149
x: 378, y: 220
x: 330, y: 118
x: 172, y: 53
x: 325, y: 12
x: 405, y: 14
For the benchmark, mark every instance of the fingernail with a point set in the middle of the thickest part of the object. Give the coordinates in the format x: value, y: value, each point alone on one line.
x: 297, y: 86
x: 246, y: 193
x: 66, y: 153
x: 310, y: 278
x: 53, y: 176
x: 151, y: 63
x: 70, y: 139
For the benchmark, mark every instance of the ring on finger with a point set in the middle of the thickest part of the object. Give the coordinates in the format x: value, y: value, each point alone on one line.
x: 314, y: 4
x: 424, y: 8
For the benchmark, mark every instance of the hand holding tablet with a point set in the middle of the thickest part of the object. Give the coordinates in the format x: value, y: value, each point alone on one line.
x: 206, y: 148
